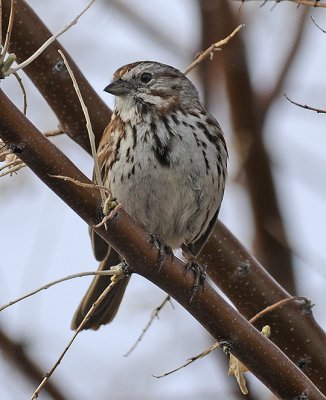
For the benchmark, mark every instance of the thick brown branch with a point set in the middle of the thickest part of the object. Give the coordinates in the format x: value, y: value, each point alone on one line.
x: 242, y: 279
x: 224, y: 323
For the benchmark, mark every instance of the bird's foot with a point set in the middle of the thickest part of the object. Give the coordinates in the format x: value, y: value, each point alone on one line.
x: 200, y: 276
x: 163, y: 250
x: 109, y: 204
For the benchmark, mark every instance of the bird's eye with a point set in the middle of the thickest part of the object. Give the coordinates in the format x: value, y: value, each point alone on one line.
x: 146, y: 77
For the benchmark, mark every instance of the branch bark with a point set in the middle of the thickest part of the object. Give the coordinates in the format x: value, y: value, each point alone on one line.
x: 224, y: 323
x: 249, y: 286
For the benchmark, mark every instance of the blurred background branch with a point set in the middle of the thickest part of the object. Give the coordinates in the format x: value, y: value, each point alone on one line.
x: 253, y: 157
x: 19, y: 359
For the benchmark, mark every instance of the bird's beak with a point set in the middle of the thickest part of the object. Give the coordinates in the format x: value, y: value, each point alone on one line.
x: 119, y: 87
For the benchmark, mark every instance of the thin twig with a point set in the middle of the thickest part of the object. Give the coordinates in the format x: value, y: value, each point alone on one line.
x: 118, y: 275
x: 4, y: 153
x: 11, y: 163
x: 97, y: 171
x: 82, y: 184
x: 50, y: 284
x: 103, y: 222
x: 312, y: 18
x: 252, y: 320
x: 311, y: 3
x: 23, y: 91
x: 154, y: 315
x: 210, y: 51
x: 9, y: 30
x: 49, y: 41
x: 13, y: 169
x: 191, y: 360
x: 274, y: 306
x: 318, y: 110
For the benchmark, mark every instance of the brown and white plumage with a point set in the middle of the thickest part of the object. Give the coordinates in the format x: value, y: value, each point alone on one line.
x: 164, y: 158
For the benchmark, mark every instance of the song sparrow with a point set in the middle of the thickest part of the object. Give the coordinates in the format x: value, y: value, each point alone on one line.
x: 164, y: 158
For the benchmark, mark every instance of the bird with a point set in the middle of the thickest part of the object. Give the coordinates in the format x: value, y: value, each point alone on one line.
x: 164, y: 159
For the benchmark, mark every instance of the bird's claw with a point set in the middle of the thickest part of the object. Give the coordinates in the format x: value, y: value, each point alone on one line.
x: 109, y: 204
x: 200, y: 276
x: 163, y: 250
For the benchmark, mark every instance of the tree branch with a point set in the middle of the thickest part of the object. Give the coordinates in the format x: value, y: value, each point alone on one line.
x: 311, y: 3
x: 18, y: 357
x: 46, y: 44
x: 304, y: 106
x: 209, y: 52
x: 241, y: 277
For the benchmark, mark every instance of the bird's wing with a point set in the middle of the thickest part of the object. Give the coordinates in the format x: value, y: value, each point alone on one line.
x: 99, y: 245
x: 196, y: 246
